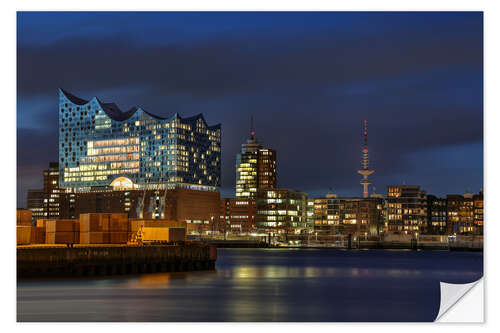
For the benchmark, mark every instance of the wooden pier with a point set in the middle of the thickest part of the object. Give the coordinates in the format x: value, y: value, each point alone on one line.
x: 45, y: 261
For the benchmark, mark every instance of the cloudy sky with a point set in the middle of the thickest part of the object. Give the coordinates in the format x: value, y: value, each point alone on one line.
x: 309, y: 79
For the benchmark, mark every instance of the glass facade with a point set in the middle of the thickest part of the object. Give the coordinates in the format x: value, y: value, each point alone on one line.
x: 101, y: 147
x: 255, y: 169
x: 246, y: 175
x: 281, y: 211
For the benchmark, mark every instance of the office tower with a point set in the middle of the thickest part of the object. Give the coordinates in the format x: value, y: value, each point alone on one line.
x: 255, y: 168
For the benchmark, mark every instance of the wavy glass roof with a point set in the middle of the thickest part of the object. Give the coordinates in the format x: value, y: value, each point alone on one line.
x: 114, y: 112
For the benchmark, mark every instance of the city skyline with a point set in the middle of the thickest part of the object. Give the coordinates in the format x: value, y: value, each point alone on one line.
x: 440, y: 146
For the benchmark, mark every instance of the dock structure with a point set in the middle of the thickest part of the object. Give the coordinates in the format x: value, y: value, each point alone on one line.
x: 45, y: 261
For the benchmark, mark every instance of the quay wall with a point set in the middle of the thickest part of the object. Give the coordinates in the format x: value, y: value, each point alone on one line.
x: 387, y: 245
x: 112, y: 260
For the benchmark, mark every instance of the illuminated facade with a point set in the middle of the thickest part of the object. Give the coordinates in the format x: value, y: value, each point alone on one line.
x: 198, y: 208
x: 282, y: 211
x: 406, y: 209
x: 465, y: 214
x: 255, y: 168
x: 35, y: 204
x: 51, y: 202
x: 478, y: 213
x: 52, y: 191
x: 101, y: 148
x: 436, y: 216
x: 342, y: 216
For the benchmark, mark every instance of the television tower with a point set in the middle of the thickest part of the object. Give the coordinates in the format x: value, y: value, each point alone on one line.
x: 364, y: 171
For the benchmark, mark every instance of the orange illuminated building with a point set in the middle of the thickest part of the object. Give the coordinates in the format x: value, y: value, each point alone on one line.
x: 465, y: 214
x: 343, y: 216
x: 199, y: 209
x: 406, y: 209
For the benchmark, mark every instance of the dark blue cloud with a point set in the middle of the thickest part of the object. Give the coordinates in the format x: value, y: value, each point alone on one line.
x: 308, y: 79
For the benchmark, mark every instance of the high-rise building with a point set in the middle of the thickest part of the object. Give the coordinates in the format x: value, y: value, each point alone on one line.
x: 255, y: 168
x: 266, y: 171
x: 406, y: 209
x: 103, y: 148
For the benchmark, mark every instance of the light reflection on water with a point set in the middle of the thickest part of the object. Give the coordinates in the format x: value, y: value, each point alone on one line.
x: 262, y: 285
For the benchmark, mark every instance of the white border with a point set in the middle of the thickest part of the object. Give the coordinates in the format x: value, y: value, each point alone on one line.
x: 8, y: 133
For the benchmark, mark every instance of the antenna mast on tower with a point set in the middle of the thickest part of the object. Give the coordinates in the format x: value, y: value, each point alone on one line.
x: 252, y: 131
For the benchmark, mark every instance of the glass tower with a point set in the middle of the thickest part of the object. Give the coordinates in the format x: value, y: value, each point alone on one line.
x: 101, y: 148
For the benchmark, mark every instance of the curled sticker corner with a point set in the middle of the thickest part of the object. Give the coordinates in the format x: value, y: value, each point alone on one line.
x: 451, y: 293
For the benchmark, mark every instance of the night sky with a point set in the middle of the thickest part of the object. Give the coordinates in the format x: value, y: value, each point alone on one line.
x: 309, y: 79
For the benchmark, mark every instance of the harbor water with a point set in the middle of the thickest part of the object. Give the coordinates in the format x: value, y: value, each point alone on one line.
x: 275, y: 285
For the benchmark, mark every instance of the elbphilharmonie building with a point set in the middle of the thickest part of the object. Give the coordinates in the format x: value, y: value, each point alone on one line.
x: 103, y: 148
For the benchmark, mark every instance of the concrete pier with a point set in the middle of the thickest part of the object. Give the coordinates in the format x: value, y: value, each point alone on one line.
x: 101, y: 260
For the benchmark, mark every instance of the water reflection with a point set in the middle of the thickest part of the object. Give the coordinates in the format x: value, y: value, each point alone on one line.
x: 151, y: 281
x: 279, y: 272
x: 166, y: 280
x: 262, y: 285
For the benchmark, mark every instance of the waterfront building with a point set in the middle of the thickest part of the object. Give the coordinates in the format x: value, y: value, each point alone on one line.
x: 282, y: 212
x: 199, y: 209
x: 436, y: 216
x: 343, y: 216
x: 371, y: 217
x: 310, y: 212
x: 139, y: 163
x: 103, y: 148
x: 406, y: 209
x: 465, y: 214
x: 478, y: 213
x: 238, y: 215
x: 255, y: 168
